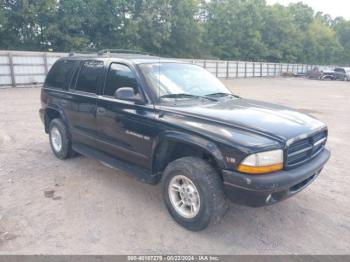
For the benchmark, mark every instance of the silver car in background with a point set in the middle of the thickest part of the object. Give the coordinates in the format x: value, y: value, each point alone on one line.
x: 342, y: 73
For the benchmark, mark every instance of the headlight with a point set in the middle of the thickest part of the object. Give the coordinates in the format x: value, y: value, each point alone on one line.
x: 261, y: 163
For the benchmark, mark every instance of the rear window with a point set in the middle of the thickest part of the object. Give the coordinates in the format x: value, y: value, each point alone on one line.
x: 61, y: 74
x: 90, y: 76
x: 341, y: 70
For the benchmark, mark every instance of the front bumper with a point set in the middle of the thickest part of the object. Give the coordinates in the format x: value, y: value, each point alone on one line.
x: 267, y: 189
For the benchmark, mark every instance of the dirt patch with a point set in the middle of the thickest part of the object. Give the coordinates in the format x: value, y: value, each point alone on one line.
x: 99, y: 211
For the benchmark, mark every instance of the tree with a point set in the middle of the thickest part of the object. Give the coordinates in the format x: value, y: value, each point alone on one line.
x: 3, y: 26
x: 234, y: 29
x: 282, y: 37
x: 151, y: 21
x: 27, y: 23
x: 226, y: 29
x: 302, y: 15
x: 342, y: 28
x: 321, y: 44
x: 185, y: 38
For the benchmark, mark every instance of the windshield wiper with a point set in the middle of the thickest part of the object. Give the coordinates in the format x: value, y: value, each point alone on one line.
x: 221, y: 94
x: 184, y: 95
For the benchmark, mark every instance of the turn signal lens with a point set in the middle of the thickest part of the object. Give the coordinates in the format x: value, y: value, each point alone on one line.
x: 264, y: 162
x: 259, y: 169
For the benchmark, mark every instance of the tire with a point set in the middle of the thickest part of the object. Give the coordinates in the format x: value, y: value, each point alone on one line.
x: 208, y: 185
x: 58, y: 131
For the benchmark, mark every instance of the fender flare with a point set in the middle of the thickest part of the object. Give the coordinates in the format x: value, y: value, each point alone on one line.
x: 60, y: 112
x: 192, y: 140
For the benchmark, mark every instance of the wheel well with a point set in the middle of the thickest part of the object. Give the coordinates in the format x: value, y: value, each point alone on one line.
x: 169, y: 151
x: 327, y: 77
x: 49, y: 116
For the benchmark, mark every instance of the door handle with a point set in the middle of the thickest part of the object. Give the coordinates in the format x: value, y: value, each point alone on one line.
x: 64, y: 103
x: 101, y: 110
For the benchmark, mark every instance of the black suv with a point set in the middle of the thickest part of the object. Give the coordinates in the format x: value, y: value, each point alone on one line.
x: 167, y: 121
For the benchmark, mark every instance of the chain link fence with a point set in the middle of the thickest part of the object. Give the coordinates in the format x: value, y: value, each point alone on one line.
x: 18, y: 68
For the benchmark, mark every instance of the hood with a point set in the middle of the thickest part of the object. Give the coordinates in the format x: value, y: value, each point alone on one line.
x: 277, y: 121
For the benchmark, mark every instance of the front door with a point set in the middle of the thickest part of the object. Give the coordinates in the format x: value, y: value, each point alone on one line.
x: 125, y: 129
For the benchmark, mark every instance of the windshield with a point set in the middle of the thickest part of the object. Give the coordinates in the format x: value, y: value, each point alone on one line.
x: 177, y: 80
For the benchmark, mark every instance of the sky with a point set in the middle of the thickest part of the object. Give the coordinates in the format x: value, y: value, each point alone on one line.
x: 334, y: 7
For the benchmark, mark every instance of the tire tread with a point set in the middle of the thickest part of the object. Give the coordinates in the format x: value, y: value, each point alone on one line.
x: 202, y: 173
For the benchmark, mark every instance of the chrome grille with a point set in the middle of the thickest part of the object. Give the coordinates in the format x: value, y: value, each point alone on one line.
x: 305, y: 149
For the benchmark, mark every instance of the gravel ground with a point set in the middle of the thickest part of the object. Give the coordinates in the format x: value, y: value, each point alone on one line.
x: 79, y: 206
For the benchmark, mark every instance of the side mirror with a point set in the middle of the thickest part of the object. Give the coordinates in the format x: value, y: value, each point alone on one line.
x: 128, y: 93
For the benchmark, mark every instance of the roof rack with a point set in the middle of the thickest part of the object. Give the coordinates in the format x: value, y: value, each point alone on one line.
x: 121, y: 51
x: 107, y: 52
x: 73, y: 53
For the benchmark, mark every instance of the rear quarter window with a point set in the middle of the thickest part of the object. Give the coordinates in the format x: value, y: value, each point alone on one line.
x: 61, y: 74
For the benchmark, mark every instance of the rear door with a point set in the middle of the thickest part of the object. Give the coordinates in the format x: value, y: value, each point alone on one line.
x: 125, y: 129
x: 83, y: 102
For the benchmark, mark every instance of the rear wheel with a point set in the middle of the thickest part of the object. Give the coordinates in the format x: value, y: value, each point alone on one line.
x: 193, y: 193
x: 59, y: 139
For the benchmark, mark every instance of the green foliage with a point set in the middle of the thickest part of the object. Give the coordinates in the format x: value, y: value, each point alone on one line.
x: 185, y: 39
x: 26, y: 23
x: 321, y: 44
x: 234, y: 29
x: 152, y: 24
x: 281, y: 36
x: 302, y: 15
x: 3, y: 26
x: 342, y: 28
x: 225, y: 29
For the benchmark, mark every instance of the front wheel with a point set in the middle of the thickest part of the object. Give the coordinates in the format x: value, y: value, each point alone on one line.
x: 193, y: 193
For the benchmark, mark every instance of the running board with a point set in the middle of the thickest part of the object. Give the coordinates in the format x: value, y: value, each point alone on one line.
x: 121, y: 166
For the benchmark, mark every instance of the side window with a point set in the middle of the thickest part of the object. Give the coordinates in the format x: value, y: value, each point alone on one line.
x: 61, y: 74
x: 119, y: 76
x: 90, y: 76
x: 341, y: 70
